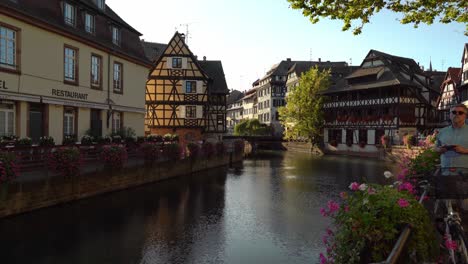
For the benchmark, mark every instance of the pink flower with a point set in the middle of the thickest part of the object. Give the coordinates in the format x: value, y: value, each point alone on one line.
x: 403, y: 203
x: 333, y: 206
x: 323, y: 260
x: 406, y: 186
x: 323, y: 212
x: 354, y: 186
x: 343, y: 195
x: 346, y: 208
x: 329, y: 232
x: 325, y: 239
x: 449, y: 244
x: 371, y: 190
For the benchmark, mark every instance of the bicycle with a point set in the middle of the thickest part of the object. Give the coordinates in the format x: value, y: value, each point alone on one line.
x: 448, y: 184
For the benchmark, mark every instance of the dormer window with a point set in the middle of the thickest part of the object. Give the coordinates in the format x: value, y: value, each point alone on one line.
x: 69, y: 14
x: 101, y: 4
x: 89, y: 23
x: 115, y: 35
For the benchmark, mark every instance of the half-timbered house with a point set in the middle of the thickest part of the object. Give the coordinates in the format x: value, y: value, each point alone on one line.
x: 464, y: 76
x: 450, y: 95
x: 387, y: 95
x: 184, y: 95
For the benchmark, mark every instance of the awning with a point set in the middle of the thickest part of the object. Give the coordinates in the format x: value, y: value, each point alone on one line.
x: 20, y: 97
x: 49, y: 100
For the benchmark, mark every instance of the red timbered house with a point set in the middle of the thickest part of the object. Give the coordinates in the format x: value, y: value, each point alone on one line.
x: 450, y: 95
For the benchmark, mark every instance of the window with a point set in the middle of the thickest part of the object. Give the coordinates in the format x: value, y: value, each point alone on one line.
x: 190, y: 87
x: 101, y: 4
x: 71, y: 64
x: 115, y: 35
x: 116, y: 122
x: 69, y: 121
x: 176, y: 62
x: 8, y: 51
x: 69, y: 14
x: 118, y: 69
x: 220, y: 119
x: 7, y: 119
x: 363, y: 136
x: 96, y: 68
x: 190, y: 111
x: 89, y: 23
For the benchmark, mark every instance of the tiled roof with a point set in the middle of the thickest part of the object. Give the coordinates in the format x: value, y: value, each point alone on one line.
x: 234, y: 96
x: 153, y: 50
x: 49, y: 13
x: 365, y: 72
x: 214, y: 70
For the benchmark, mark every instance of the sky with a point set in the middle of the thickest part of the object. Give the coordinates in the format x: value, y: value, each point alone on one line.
x: 249, y: 36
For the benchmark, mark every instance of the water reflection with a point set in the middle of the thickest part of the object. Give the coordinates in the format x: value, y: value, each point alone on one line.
x: 265, y: 210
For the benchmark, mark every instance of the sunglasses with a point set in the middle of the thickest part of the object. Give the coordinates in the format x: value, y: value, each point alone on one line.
x: 458, y: 112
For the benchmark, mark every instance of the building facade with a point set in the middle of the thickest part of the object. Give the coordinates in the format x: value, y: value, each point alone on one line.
x: 184, y: 95
x: 387, y: 95
x: 69, y: 68
x: 450, y: 94
x: 464, y: 76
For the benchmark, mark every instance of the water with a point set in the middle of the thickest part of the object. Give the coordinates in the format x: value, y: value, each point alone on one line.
x: 266, y: 210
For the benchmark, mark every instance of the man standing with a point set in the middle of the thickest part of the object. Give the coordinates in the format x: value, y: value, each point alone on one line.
x: 452, y: 141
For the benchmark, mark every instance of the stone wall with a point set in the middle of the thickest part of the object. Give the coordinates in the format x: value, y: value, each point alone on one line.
x: 22, y: 197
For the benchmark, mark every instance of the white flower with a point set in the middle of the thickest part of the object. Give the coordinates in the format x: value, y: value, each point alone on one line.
x: 363, y: 187
x: 388, y: 174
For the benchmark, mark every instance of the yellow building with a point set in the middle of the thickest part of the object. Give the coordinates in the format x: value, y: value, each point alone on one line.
x: 69, y: 68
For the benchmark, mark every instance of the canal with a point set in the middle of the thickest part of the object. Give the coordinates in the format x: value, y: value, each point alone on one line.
x: 264, y: 210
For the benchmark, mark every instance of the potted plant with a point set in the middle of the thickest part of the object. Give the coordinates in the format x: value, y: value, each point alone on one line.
x: 367, y: 222
x: 154, y: 138
x: 69, y: 140
x: 8, y: 140
x: 167, y: 138
x: 66, y: 161
x: 87, y: 140
x: 114, y: 156
x: 24, y: 142
x: 8, y: 171
x: 46, y: 141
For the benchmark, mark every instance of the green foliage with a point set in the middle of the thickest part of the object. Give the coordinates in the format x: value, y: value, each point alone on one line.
x: 24, y: 142
x: 369, y: 221
x: 424, y: 163
x: 415, y: 12
x: 302, y: 117
x: 124, y: 132
x: 251, y: 127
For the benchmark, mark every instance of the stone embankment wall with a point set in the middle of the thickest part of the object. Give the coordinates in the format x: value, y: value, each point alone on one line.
x: 19, y: 197
x: 302, y: 147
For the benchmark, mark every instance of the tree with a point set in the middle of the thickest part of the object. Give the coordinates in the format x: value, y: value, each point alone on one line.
x: 415, y: 11
x: 251, y: 127
x: 302, y: 117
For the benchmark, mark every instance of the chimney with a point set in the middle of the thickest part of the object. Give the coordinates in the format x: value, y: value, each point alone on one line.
x: 320, y: 59
x: 196, y: 57
x: 288, y: 59
x: 204, y: 58
x: 182, y: 36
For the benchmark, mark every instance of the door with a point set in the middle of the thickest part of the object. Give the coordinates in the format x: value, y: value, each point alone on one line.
x: 36, y: 124
x: 96, y: 123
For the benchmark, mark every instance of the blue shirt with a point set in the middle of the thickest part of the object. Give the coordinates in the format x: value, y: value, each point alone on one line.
x: 453, y: 136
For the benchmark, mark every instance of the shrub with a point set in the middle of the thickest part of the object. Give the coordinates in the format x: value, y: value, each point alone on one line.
x: 194, y: 150
x: 8, y: 168
x: 151, y: 151
x: 69, y: 140
x: 167, y: 138
x: 172, y: 151
x: 114, y: 156
x: 368, y: 222
x: 66, y: 161
x: 220, y: 148
x: 154, y: 138
x: 87, y: 140
x: 208, y: 149
x: 46, y: 141
x: 24, y: 142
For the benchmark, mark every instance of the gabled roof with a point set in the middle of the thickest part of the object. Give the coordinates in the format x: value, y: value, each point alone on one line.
x: 234, y: 96
x: 215, y: 72
x: 153, y: 50
x: 398, y: 68
x: 302, y: 66
x: 48, y: 14
x: 465, y: 50
x: 280, y: 69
